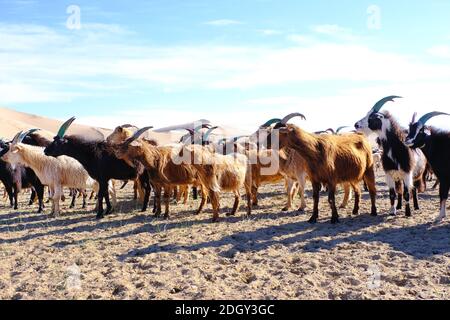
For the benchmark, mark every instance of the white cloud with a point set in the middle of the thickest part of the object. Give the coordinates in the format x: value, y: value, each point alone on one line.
x: 39, y: 64
x: 442, y: 51
x: 223, y: 22
x: 335, y: 31
x: 270, y: 32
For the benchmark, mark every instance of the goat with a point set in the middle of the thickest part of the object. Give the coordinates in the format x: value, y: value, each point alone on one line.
x: 165, y: 173
x: 291, y: 167
x: 331, y: 160
x: 118, y: 136
x: 53, y: 172
x: 19, y: 177
x: 400, y: 163
x: 435, y: 144
x: 99, y: 160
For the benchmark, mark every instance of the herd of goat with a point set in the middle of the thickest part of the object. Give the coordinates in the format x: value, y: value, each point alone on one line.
x: 276, y: 152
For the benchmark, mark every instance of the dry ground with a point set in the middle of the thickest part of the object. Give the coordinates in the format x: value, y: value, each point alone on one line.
x: 272, y: 255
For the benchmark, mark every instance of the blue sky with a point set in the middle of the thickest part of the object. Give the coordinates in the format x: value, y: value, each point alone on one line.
x: 232, y: 62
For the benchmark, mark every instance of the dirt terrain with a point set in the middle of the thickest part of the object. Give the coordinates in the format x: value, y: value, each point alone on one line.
x: 272, y: 255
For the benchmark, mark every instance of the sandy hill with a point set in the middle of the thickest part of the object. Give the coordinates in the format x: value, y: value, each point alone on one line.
x: 12, y: 121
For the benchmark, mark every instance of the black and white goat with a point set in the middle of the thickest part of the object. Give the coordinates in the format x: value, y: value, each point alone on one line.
x: 99, y: 160
x: 403, y: 166
x: 435, y: 144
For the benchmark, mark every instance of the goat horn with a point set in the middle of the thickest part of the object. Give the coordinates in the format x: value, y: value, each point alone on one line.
x: 330, y: 130
x: 203, y: 126
x: 430, y: 115
x: 377, y: 107
x: 128, y: 126
x: 27, y: 133
x: 138, y: 133
x: 291, y: 116
x: 208, y: 133
x: 270, y: 122
x: 190, y: 131
x: 341, y: 128
x: 16, y: 138
x: 64, y: 127
x: 414, y: 117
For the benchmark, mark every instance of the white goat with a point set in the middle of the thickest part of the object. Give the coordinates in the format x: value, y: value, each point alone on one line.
x: 55, y: 173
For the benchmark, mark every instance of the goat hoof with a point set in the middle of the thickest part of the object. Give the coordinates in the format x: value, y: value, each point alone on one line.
x: 374, y: 214
x: 334, y: 220
x: 285, y: 209
x: 230, y: 214
x: 30, y: 203
x: 312, y: 220
x: 416, y: 208
x: 99, y: 216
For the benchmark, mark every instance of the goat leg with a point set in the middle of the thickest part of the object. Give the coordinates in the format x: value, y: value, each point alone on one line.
x: 415, y: 199
x: 32, y: 197
x: 332, y: 202
x: 357, y: 191
x: 74, y: 193
x: 40, y: 196
x: 101, y: 193
x: 317, y: 186
x: 443, y: 196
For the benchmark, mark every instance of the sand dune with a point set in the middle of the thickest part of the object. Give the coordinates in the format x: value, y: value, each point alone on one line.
x: 12, y: 121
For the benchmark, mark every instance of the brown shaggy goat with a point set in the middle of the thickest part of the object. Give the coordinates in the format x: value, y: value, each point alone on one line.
x: 332, y: 160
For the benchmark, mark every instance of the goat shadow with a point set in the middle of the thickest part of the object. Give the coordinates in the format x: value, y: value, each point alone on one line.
x: 421, y: 241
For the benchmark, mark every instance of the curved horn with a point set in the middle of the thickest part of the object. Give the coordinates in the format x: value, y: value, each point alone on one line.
x: 128, y: 126
x: 138, y: 133
x: 24, y: 134
x: 270, y: 122
x: 191, y: 132
x: 16, y: 138
x: 291, y: 116
x: 377, y: 107
x: 64, y: 127
x: 414, y: 118
x: 341, y: 128
x: 330, y: 130
x: 208, y: 133
x: 430, y: 115
x: 203, y: 126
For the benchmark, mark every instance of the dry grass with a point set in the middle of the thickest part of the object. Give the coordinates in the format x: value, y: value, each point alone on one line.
x: 271, y: 255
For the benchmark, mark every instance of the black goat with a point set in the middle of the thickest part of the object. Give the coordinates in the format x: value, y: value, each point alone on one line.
x: 99, y: 160
x: 435, y: 144
x: 18, y: 178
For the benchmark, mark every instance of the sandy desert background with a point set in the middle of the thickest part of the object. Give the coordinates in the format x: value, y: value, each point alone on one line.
x: 271, y: 255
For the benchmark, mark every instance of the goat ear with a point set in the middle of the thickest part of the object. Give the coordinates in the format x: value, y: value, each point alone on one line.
x: 136, y: 144
x: 16, y: 149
